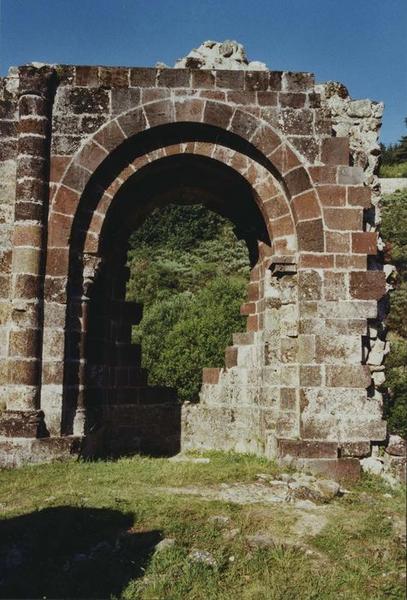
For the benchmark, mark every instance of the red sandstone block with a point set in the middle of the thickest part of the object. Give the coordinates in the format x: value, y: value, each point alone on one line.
x: 210, y: 375
x: 202, y: 78
x: 316, y: 261
x: 307, y: 146
x: 114, y: 76
x: 335, y: 151
x: 243, y: 124
x: 218, y: 114
x: 189, y: 110
x: 283, y: 226
x: 92, y: 156
x: 65, y: 201
x: 323, y: 175
x: 275, y: 207
x: 306, y: 206
x: 359, y: 196
x: 59, y: 230
x: 87, y: 76
x: 364, y: 242
x: 367, y: 285
x: 76, y: 177
x: 58, y: 167
x: 110, y: 136
x: 332, y: 195
x: 133, y: 122
x: 39, y: 126
x: 350, y: 261
x: 298, y: 181
x: 143, y: 77
x: 307, y: 449
x: 57, y: 261
x: 243, y: 98
x: 159, y: 113
x: 314, y: 100
x: 292, y: 100
x: 252, y: 323
x: 173, y: 78
x: 253, y: 292
x: 344, y: 218
x: 231, y: 356
x: 248, y: 308
x: 256, y: 80
x: 285, y: 160
x: 28, y: 211
x: 310, y: 235
x: 267, y: 98
x: 232, y: 80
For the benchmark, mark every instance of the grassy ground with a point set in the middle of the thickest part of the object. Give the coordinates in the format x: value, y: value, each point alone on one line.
x: 88, y: 530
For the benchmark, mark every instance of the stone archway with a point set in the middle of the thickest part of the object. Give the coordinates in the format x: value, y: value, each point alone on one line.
x: 294, y: 383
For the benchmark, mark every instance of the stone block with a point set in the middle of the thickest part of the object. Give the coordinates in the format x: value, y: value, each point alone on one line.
x: 360, y: 196
x: 231, y: 80
x: 335, y: 151
x: 353, y: 376
x: 311, y: 235
x: 344, y: 218
x: 342, y: 470
x: 307, y: 449
x: 310, y: 375
x: 368, y: 285
x: 339, y: 349
x: 337, y: 241
x: 364, y: 242
x: 332, y: 195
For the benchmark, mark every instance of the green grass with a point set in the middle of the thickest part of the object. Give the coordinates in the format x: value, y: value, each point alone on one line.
x: 396, y: 170
x: 53, y: 515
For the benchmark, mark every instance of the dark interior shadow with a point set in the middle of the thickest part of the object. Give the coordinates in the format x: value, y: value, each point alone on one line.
x: 67, y: 552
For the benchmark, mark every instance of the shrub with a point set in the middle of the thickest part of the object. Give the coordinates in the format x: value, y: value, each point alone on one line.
x: 394, y: 231
x: 182, y: 335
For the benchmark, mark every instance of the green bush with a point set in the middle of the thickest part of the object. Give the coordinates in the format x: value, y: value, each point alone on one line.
x: 190, y: 272
x: 394, y: 231
x: 181, y: 335
x: 396, y: 170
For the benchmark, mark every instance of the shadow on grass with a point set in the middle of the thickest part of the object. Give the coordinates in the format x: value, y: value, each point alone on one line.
x: 67, y: 552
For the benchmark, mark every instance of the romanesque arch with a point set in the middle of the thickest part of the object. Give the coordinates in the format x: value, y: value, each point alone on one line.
x: 295, y: 383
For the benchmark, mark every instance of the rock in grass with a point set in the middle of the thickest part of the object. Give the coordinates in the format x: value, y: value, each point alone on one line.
x: 372, y: 465
x: 164, y: 545
x: 202, y: 556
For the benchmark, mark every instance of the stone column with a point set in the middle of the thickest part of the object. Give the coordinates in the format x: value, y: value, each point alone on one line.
x: 36, y: 88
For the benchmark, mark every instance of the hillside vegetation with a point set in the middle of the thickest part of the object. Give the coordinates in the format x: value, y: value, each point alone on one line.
x: 190, y: 272
x: 394, y: 231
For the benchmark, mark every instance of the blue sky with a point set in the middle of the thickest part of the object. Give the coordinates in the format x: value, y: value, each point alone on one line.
x: 361, y: 43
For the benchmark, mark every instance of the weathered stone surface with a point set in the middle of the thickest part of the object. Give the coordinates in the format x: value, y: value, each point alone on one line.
x: 296, y: 372
x: 219, y: 55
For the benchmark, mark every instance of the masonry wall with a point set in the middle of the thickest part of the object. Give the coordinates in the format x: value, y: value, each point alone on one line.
x: 297, y: 383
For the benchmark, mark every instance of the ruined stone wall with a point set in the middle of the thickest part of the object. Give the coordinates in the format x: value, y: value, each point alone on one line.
x: 295, y: 384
